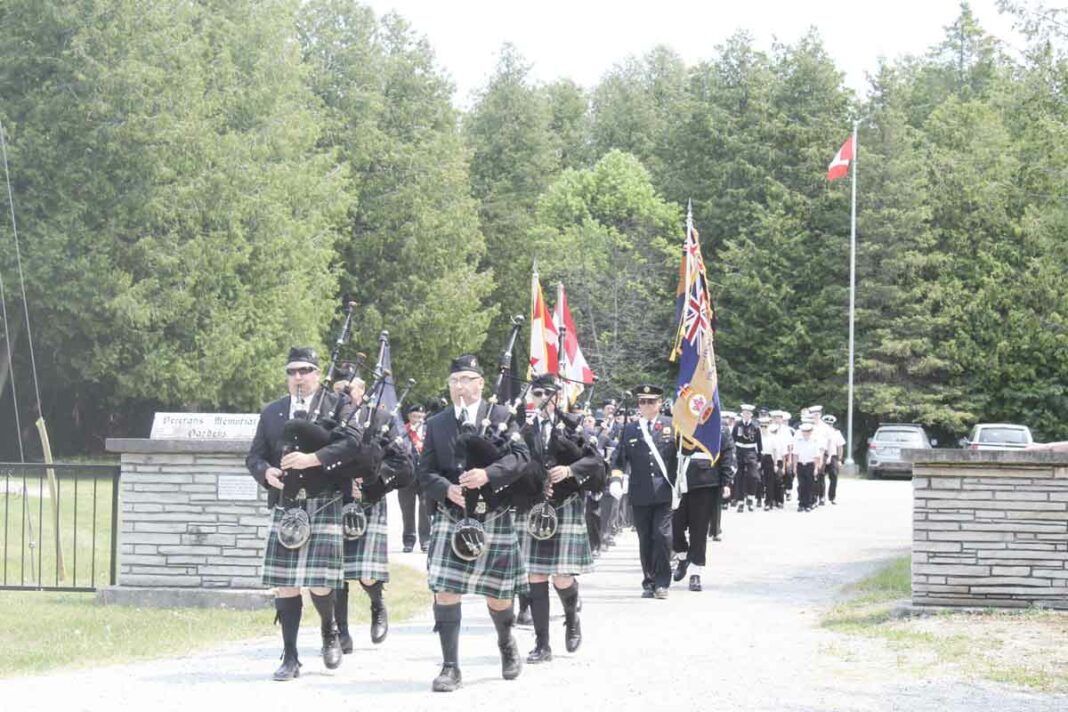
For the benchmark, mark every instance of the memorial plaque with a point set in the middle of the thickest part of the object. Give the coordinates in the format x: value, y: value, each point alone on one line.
x: 204, y: 426
x: 238, y: 487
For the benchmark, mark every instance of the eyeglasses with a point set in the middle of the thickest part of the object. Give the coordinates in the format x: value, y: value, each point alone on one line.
x: 537, y: 393
x: 462, y: 380
x: 302, y: 370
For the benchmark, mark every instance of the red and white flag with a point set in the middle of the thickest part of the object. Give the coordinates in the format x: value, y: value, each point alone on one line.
x: 573, y: 364
x: 543, y: 335
x: 839, y: 167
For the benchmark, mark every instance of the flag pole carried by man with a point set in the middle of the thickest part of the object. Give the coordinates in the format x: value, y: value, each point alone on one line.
x: 696, y: 413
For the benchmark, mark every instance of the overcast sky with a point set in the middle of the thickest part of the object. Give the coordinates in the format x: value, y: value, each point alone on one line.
x: 582, y: 39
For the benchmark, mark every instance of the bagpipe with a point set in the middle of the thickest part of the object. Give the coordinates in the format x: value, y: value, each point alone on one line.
x: 479, y: 446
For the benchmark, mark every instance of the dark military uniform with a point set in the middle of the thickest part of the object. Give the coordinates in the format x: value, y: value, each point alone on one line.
x: 748, y: 448
x: 650, y: 493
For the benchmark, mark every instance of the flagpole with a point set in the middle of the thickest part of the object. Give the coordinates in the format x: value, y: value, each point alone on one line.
x: 852, y: 299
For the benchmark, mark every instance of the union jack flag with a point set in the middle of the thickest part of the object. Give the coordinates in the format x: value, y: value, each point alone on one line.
x: 696, y: 410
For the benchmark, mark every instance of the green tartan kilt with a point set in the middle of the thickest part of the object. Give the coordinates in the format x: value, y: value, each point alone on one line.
x: 498, y: 573
x: 317, y: 564
x: 368, y: 556
x: 567, y: 551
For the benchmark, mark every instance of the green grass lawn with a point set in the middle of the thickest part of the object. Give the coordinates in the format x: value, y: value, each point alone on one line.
x: 27, y: 529
x: 48, y: 630
x: 1027, y: 648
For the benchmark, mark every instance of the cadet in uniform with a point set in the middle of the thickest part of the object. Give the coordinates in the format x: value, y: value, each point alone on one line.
x: 497, y: 572
x: 748, y: 448
x: 647, y: 450
x: 808, y: 455
x: 837, y: 445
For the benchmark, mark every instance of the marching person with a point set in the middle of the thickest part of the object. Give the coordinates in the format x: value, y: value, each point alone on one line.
x: 728, y: 418
x: 781, y: 418
x: 497, y: 571
x: 566, y: 553
x: 836, y: 445
x: 726, y: 466
x: 312, y: 506
x: 777, y: 449
x: 765, y: 493
x: 808, y: 455
x: 697, y: 508
x: 415, y: 510
x: 647, y: 449
x: 749, y: 448
x: 367, y: 555
x: 824, y: 435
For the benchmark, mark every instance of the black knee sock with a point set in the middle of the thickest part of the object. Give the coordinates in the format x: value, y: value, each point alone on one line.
x: 569, y: 597
x: 289, y: 610
x: 447, y: 626
x: 325, y: 606
x: 539, y: 611
x: 341, y: 608
x: 375, y: 592
x: 524, y: 602
x: 503, y: 621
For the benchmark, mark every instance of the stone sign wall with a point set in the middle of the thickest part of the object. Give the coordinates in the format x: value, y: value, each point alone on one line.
x: 191, y: 515
x: 990, y: 528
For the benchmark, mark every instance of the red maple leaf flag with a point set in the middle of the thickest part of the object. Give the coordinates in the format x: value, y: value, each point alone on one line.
x: 839, y: 167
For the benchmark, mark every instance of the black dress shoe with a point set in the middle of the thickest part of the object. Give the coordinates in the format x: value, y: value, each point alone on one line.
x: 332, y: 650
x: 379, y: 623
x: 660, y: 593
x: 288, y: 670
x: 524, y: 618
x: 346, y: 643
x: 540, y: 655
x: 647, y: 593
x: 717, y: 537
x: 448, y: 679
x: 680, y: 570
x: 511, y: 664
x: 572, y: 634
x: 741, y: 506
x: 695, y: 583
x: 423, y: 547
x: 408, y: 548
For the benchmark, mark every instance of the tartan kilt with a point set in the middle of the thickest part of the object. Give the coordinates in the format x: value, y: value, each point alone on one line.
x: 317, y: 564
x: 567, y: 551
x: 498, y: 573
x: 368, y: 556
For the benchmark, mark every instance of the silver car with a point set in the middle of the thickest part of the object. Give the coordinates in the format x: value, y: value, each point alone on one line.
x: 884, y: 448
x: 998, y: 436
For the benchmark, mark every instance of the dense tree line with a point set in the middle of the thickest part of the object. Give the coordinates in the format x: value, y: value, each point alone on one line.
x: 197, y: 184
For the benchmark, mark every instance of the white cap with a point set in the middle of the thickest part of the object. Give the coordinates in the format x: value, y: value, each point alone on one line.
x: 806, y: 426
x: 830, y: 419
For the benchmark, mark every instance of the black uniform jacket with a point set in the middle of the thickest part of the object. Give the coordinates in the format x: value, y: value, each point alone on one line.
x: 728, y: 462
x: 747, y: 434
x: 438, y: 468
x: 266, y: 449
x: 648, y: 485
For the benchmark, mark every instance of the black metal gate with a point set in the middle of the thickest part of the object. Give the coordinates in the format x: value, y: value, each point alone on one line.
x: 58, y: 526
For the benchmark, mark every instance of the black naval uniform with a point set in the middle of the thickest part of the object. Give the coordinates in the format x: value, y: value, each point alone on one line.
x: 650, y: 493
x: 748, y: 448
x: 696, y: 509
x: 319, y: 562
x: 367, y: 558
x: 415, y: 509
x: 499, y: 572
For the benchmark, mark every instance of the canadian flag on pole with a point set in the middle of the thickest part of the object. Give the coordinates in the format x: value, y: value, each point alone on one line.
x: 543, y: 334
x: 573, y: 364
x: 839, y: 167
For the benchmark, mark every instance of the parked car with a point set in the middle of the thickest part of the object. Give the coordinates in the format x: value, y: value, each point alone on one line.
x: 998, y: 436
x: 884, y: 448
